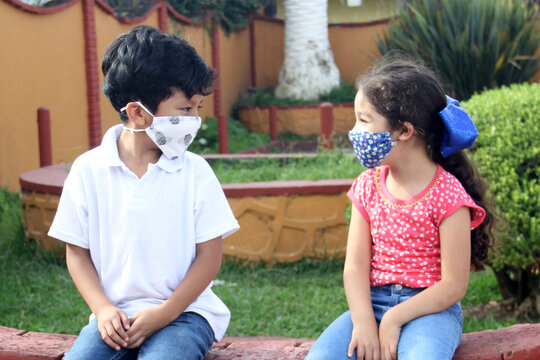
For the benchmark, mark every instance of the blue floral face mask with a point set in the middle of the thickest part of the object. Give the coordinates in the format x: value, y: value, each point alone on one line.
x: 371, y: 148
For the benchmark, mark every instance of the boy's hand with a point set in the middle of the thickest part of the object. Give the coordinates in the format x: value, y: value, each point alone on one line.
x: 144, y: 324
x: 112, y: 325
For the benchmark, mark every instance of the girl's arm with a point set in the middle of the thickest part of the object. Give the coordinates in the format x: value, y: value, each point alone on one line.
x: 203, y: 270
x: 112, y: 322
x: 356, y: 276
x: 455, y: 240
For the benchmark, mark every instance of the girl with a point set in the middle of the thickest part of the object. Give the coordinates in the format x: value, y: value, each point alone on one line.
x: 410, y: 244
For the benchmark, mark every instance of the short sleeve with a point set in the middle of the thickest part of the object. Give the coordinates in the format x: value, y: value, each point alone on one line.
x: 213, y: 214
x: 357, y: 193
x: 452, y: 194
x: 70, y: 222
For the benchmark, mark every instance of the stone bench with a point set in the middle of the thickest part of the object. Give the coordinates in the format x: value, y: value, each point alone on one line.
x: 518, y: 342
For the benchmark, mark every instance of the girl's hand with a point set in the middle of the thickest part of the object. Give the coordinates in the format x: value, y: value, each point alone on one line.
x: 144, y: 324
x: 389, y: 331
x: 366, y: 342
x: 112, y: 325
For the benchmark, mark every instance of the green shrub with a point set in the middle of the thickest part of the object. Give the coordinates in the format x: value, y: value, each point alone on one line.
x: 11, y: 229
x: 472, y: 44
x: 239, y: 138
x: 508, y: 156
x: 344, y: 93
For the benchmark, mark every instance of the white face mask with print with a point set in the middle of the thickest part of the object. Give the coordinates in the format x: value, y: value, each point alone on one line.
x: 171, y: 134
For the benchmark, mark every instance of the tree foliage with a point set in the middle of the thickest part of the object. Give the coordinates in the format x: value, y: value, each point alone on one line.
x: 230, y: 14
x: 472, y: 44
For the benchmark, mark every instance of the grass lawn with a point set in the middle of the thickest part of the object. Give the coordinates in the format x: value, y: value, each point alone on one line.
x: 296, y: 300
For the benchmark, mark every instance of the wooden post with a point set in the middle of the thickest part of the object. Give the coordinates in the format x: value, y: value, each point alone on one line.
x: 273, y: 122
x: 44, y: 134
x: 223, y: 136
x: 327, y: 125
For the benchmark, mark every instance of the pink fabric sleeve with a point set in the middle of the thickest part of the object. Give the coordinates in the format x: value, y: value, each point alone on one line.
x: 356, y: 195
x: 457, y: 197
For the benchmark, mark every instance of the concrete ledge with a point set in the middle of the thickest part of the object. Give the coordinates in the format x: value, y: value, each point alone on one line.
x: 518, y: 342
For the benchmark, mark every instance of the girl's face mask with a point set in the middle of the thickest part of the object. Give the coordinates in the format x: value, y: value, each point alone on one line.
x: 371, y: 148
x: 171, y: 134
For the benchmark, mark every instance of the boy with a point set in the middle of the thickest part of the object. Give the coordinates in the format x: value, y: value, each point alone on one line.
x: 143, y: 219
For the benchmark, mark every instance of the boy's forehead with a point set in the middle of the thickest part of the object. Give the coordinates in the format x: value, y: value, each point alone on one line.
x: 179, y: 96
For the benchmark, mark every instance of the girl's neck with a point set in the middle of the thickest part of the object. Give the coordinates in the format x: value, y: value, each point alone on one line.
x: 410, y: 176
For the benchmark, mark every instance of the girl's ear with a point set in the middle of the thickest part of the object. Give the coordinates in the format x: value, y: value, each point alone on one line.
x: 407, y: 131
x: 136, y: 114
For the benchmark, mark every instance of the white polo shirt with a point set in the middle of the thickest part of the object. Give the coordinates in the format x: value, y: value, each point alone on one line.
x: 142, y: 233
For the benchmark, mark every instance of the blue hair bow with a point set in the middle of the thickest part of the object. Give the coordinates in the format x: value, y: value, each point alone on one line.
x: 460, y: 132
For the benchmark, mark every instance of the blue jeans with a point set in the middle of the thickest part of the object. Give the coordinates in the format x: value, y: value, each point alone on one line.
x: 429, y: 337
x: 188, y: 337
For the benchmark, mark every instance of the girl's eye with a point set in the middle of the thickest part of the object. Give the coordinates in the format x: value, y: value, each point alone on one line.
x: 199, y: 107
x: 186, y: 109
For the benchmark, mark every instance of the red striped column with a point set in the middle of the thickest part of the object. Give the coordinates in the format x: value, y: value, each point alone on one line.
x: 92, y: 75
x: 162, y: 17
x: 216, y: 66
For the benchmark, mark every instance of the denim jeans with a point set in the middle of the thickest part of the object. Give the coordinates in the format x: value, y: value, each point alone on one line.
x: 429, y: 337
x: 188, y: 337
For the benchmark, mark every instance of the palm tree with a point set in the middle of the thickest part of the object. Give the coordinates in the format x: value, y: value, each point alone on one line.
x: 308, y: 70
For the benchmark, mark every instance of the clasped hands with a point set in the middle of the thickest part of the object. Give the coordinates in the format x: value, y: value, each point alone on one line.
x: 119, y: 331
x: 372, y: 343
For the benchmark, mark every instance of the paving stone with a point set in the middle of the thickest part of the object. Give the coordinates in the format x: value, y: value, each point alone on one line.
x: 518, y: 342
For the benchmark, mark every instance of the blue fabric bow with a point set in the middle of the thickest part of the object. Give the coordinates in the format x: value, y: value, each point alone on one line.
x: 460, y: 131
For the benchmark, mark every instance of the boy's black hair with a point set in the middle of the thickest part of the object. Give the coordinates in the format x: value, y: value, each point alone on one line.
x: 147, y: 65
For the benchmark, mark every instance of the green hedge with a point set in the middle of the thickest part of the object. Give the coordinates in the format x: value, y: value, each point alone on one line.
x: 507, y: 153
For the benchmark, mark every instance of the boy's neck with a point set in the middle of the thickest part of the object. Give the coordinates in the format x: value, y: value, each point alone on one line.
x: 136, y: 150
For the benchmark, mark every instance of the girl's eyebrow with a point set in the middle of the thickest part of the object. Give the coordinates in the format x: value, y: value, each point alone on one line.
x: 364, y: 114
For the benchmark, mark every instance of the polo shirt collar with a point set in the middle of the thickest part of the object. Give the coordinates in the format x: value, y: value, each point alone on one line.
x: 111, y: 158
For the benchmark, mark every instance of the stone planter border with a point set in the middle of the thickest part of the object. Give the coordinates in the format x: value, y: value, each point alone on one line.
x: 281, y: 221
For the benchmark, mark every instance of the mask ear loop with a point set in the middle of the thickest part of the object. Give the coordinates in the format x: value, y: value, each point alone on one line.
x: 142, y: 107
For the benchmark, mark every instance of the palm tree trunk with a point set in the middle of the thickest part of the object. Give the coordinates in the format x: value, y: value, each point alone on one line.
x: 309, y: 70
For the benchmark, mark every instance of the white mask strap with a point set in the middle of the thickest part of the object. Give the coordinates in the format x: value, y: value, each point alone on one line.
x: 145, y: 109
x: 142, y: 106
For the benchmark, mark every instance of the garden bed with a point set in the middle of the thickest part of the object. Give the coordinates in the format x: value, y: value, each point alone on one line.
x: 303, y: 120
x: 280, y: 221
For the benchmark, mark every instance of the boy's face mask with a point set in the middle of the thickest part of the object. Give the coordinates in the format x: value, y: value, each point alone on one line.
x: 171, y: 134
x: 371, y: 148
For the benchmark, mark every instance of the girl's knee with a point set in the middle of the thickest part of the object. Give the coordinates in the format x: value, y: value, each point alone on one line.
x: 425, y: 351
x: 326, y: 354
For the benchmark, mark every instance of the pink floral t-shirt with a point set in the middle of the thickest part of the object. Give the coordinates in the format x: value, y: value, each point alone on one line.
x: 405, y: 233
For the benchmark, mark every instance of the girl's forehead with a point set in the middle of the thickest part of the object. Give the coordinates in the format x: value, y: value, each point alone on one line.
x: 362, y: 103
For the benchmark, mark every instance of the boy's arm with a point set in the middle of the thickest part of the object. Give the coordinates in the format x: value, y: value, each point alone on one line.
x: 111, y: 320
x: 203, y: 270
